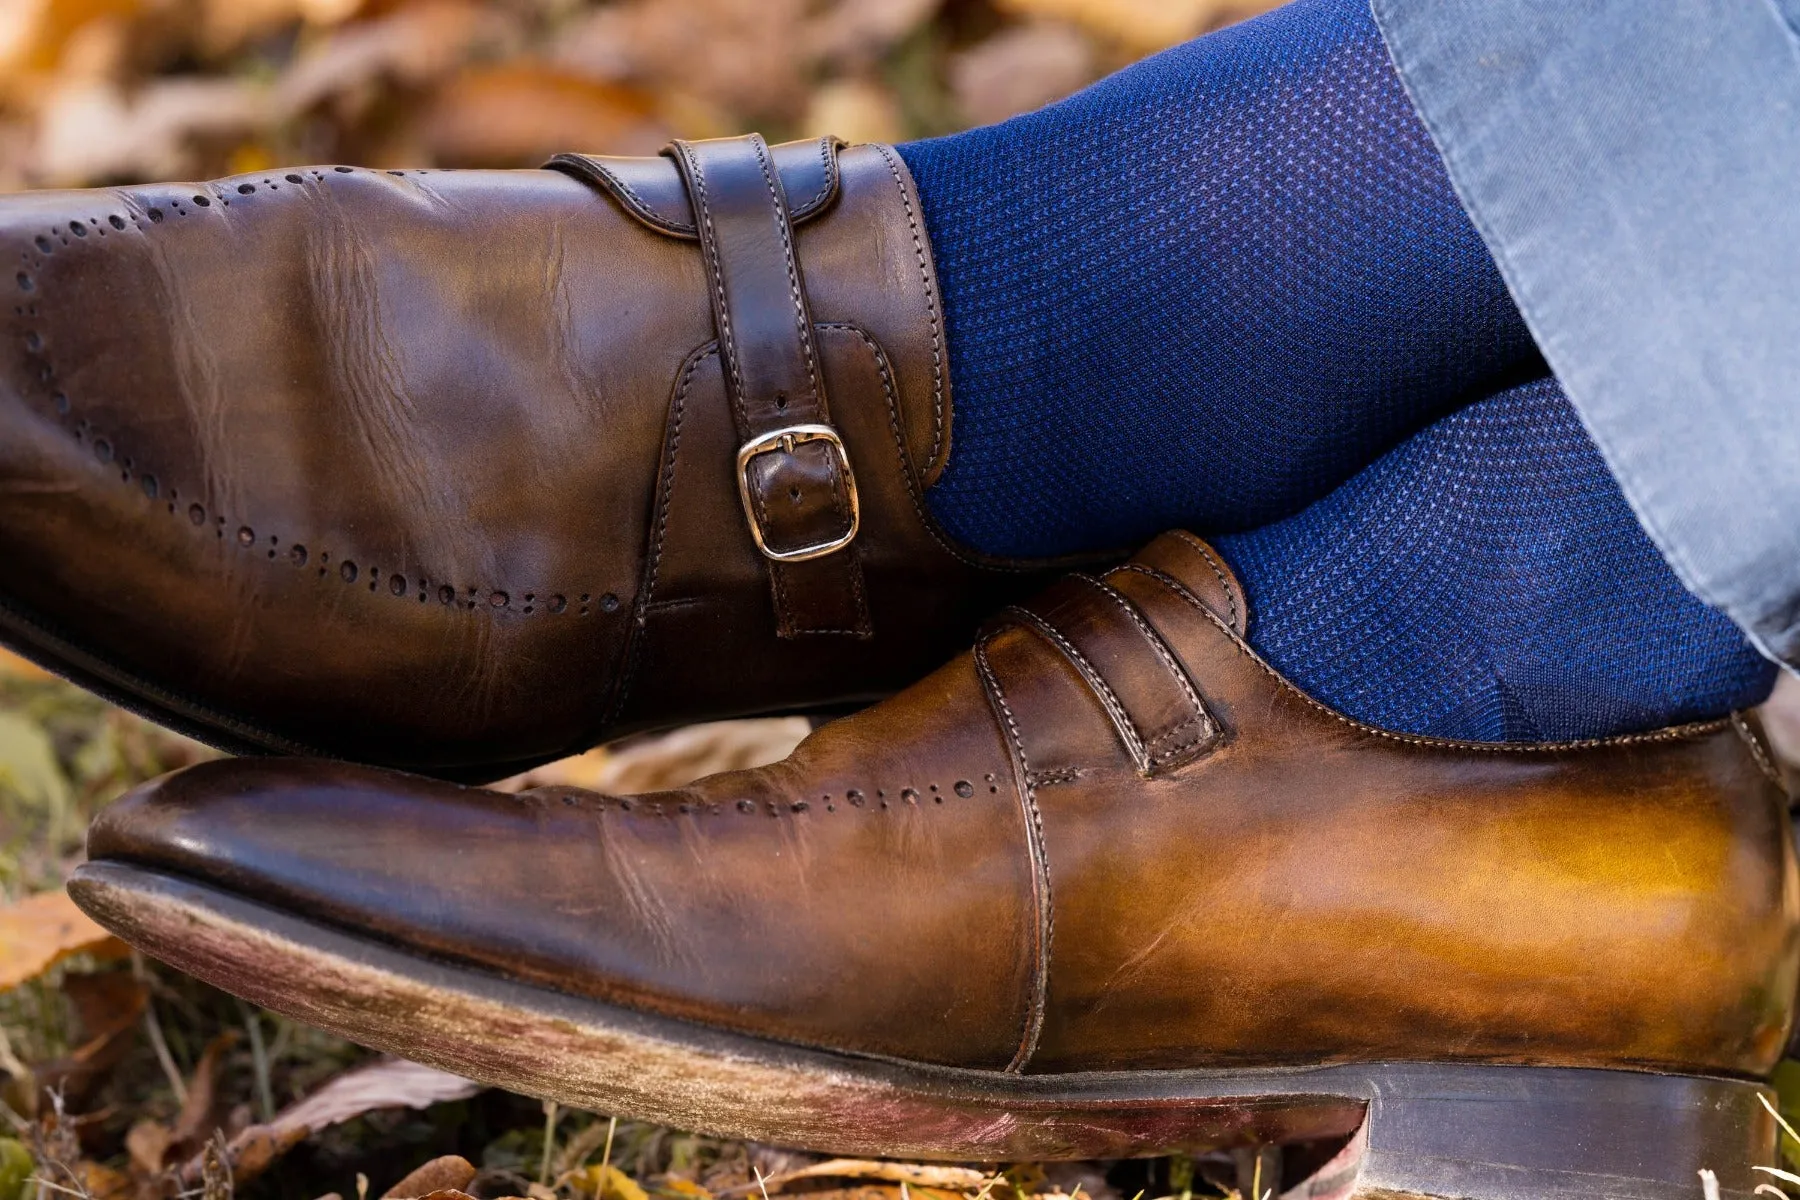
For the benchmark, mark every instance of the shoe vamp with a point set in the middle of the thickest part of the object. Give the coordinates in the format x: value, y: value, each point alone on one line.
x: 838, y: 900
x: 401, y: 430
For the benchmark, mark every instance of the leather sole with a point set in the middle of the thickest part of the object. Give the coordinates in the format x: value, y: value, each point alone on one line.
x: 1480, y: 1132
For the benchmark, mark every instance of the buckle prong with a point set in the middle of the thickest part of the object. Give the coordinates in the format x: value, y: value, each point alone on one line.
x: 784, y: 441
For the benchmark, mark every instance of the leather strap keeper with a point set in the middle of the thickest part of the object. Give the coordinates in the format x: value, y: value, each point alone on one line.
x: 794, y: 474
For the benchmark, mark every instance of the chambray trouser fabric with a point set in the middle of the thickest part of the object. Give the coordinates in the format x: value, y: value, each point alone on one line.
x: 1634, y: 168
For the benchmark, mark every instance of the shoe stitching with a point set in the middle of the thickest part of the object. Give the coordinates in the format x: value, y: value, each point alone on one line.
x: 653, y: 564
x: 1231, y: 597
x: 1677, y: 733
x: 1109, y: 700
x: 616, y: 183
x: 1040, y: 864
x: 1763, y: 762
x: 1176, y: 672
x: 802, y: 326
x: 907, y: 473
x: 298, y: 554
x: 727, y: 347
x: 938, y: 402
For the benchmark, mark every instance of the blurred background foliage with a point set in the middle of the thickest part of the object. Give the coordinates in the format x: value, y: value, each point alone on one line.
x: 102, y: 91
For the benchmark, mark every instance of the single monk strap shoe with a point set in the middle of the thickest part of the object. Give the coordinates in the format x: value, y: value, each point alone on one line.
x: 464, y: 470
x: 1105, y: 885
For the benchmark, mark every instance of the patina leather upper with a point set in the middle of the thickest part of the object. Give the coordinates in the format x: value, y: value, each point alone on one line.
x: 1110, y: 837
x: 441, y: 468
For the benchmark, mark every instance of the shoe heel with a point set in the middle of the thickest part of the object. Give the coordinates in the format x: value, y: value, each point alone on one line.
x: 1541, y: 1133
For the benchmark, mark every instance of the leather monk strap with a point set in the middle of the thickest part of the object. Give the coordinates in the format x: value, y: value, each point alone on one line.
x: 1104, y: 885
x: 285, y: 465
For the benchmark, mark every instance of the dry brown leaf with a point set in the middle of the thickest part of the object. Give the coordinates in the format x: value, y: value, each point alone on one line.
x: 915, y: 1175
x: 196, y: 1121
x: 1139, y: 25
x: 14, y: 667
x: 892, y: 1172
x: 415, y: 44
x: 451, y: 1173
x: 607, y: 1182
x: 670, y: 760
x: 525, y: 112
x: 147, y: 1145
x: 857, y: 110
x: 384, y: 1083
x: 40, y: 931
x: 104, y: 1183
x: 1020, y: 69
x: 109, y: 1007
x: 746, y: 58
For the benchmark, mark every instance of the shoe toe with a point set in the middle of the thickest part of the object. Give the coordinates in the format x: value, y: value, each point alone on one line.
x: 281, y: 466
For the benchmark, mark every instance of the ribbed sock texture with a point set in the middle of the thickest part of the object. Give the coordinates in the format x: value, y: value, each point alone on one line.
x: 1202, y: 292
x: 1486, y: 579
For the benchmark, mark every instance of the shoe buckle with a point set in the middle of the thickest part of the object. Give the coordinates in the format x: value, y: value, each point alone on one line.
x: 783, y: 441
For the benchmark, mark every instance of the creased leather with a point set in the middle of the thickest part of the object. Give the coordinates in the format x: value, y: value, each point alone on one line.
x: 436, y: 469
x: 978, y: 872
x: 798, y: 495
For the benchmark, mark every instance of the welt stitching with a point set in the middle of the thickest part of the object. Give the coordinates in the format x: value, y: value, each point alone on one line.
x: 1156, y: 643
x: 106, y: 450
x: 787, y: 253
x: 1678, y: 733
x: 1756, y: 751
x: 931, y: 307
x: 1040, y: 864
x: 1134, y: 737
x: 1224, y: 578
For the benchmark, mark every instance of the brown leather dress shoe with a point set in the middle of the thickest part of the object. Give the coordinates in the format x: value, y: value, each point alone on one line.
x: 464, y: 470
x: 1105, y: 885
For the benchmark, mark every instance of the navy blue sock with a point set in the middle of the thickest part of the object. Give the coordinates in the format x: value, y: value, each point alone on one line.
x: 1486, y: 579
x: 1202, y: 292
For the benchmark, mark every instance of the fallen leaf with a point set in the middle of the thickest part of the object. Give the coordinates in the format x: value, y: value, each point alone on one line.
x: 147, y: 1145
x: 607, y: 1182
x: 196, y: 1121
x: 913, y: 1174
x: 1140, y: 25
x: 102, y: 1182
x: 1020, y: 69
x: 11, y: 665
x: 452, y: 1172
x: 526, y: 112
x: 857, y: 110
x: 384, y: 1083
x: 670, y: 760
x: 40, y: 931
x: 109, y: 1008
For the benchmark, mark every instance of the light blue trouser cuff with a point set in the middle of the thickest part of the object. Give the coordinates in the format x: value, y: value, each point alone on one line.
x: 1634, y: 167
